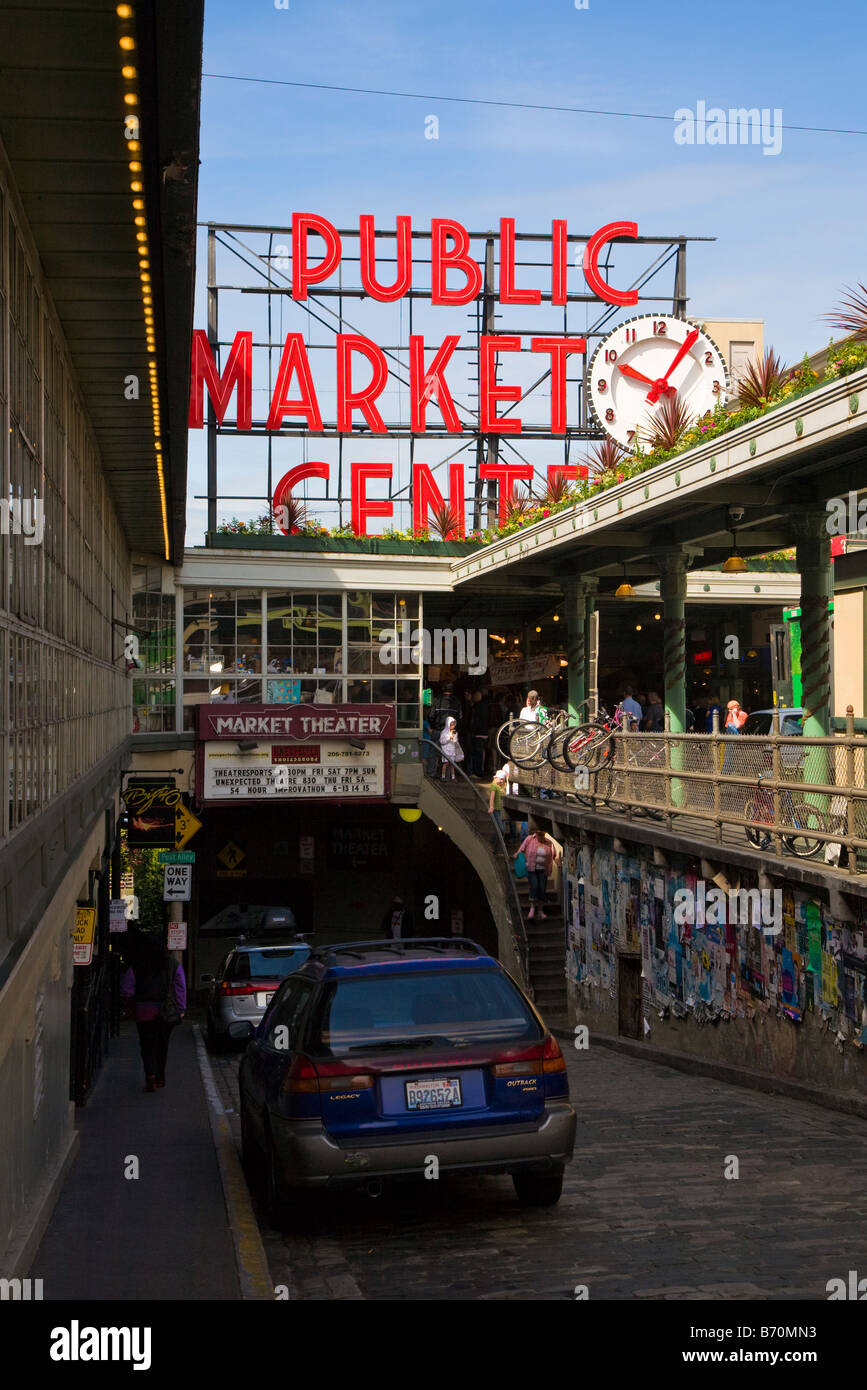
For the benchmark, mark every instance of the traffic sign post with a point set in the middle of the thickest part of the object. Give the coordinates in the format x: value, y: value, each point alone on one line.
x: 177, y: 883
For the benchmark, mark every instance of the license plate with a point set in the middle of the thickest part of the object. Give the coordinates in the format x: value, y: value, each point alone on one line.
x: 434, y: 1093
x: 263, y: 999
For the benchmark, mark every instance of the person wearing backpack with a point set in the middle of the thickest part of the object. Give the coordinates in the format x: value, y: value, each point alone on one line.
x: 155, y: 990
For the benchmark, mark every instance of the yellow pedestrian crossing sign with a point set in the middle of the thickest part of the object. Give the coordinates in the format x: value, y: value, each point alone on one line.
x: 231, y: 855
x: 186, y: 826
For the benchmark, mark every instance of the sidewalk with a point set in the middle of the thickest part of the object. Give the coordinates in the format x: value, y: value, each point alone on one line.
x: 165, y: 1234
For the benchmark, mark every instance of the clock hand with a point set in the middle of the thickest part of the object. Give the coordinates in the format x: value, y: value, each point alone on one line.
x: 659, y: 386
x: 636, y: 376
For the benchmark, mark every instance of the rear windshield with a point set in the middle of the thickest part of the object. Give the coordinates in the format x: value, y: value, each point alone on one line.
x: 418, y: 1008
x: 267, y: 965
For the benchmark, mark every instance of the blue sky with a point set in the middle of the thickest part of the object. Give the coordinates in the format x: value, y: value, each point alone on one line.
x: 788, y: 227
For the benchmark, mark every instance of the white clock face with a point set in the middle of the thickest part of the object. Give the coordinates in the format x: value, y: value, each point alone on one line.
x: 644, y: 362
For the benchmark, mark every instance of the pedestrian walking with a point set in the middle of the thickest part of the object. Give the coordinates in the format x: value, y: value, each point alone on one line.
x: 451, y: 749
x: 155, y: 992
x: 397, y: 921
x: 539, y: 852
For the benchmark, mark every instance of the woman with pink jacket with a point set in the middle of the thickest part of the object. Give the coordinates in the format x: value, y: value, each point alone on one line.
x: 540, y: 853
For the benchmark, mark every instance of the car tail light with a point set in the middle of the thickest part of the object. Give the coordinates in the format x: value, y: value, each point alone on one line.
x: 525, y: 1061
x: 552, y: 1057
x: 226, y: 988
x: 517, y: 1068
x: 332, y: 1077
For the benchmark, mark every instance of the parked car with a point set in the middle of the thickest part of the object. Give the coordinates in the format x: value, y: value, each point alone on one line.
x: 377, y: 1055
x: 246, y: 982
x: 249, y: 917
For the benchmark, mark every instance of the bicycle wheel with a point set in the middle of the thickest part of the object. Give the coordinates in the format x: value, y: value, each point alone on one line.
x: 504, y: 733
x: 584, y: 746
x: 610, y: 784
x: 527, y: 744
x: 756, y: 809
x: 554, y: 750
x: 806, y: 818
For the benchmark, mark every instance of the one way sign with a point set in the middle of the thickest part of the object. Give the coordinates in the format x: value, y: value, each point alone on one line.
x: 177, y: 883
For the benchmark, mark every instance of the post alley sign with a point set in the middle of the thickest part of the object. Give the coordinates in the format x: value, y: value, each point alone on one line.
x: 361, y: 366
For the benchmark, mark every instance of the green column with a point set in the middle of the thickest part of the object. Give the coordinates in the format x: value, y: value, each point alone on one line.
x: 817, y: 587
x: 672, y: 565
x: 672, y: 569
x: 574, y: 595
x: 590, y: 587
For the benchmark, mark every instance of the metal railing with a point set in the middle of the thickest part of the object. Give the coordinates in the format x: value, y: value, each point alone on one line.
x: 794, y: 795
x: 516, y: 916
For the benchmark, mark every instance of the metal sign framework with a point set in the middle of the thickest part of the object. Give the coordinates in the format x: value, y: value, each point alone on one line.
x: 265, y: 253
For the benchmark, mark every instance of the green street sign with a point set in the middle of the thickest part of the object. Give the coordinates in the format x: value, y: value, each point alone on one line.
x: 176, y: 856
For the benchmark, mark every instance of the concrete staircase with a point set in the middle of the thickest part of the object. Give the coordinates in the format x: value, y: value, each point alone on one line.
x: 547, y: 941
x: 547, y: 938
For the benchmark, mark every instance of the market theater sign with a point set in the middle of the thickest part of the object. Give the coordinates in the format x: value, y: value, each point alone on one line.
x: 294, y: 391
x: 304, y: 751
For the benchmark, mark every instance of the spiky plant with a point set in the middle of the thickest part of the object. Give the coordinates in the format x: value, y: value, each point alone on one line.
x: 291, y: 515
x: 557, y: 492
x: 761, y: 379
x: 605, y: 456
x: 445, y: 522
x: 669, y: 424
x: 518, y: 505
x: 850, y: 314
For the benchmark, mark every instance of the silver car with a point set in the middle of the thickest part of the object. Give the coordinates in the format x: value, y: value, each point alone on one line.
x: 246, y: 982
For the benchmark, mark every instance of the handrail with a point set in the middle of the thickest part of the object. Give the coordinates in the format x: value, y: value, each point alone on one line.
x: 521, y: 933
x: 815, y: 797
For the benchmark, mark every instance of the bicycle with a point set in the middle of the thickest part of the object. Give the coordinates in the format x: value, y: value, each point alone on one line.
x: 801, y: 814
x: 528, y: 740
x: 584, y: 745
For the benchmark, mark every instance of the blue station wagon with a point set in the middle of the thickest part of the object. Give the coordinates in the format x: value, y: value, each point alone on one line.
x: 376, y: 1056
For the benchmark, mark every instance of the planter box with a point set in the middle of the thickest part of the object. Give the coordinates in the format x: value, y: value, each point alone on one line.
x: 340, y: 545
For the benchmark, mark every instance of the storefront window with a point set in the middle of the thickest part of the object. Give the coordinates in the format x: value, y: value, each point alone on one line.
x: 315, y: 648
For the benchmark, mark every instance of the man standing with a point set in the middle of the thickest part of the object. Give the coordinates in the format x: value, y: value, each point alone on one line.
x: 397, y: 921
x: 631, y: 708
x: 478, y: 734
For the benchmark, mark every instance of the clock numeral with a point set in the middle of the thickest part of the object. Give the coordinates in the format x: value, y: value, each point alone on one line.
x: 716, y: 388
x: 659, y: 327
x: 610, y: 355
x: 708, y: 359
x: 602, y: 384
x: 609, y: 416
x: 630, y: 335
x: 630, y: 435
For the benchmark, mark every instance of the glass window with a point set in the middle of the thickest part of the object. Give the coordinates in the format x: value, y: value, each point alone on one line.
x: 479, y: 1004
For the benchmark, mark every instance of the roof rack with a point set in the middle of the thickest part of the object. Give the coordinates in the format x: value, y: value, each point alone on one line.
x: 430, y: 943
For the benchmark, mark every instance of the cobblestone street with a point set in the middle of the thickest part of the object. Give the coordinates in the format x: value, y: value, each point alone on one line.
x: 646, y: 1210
